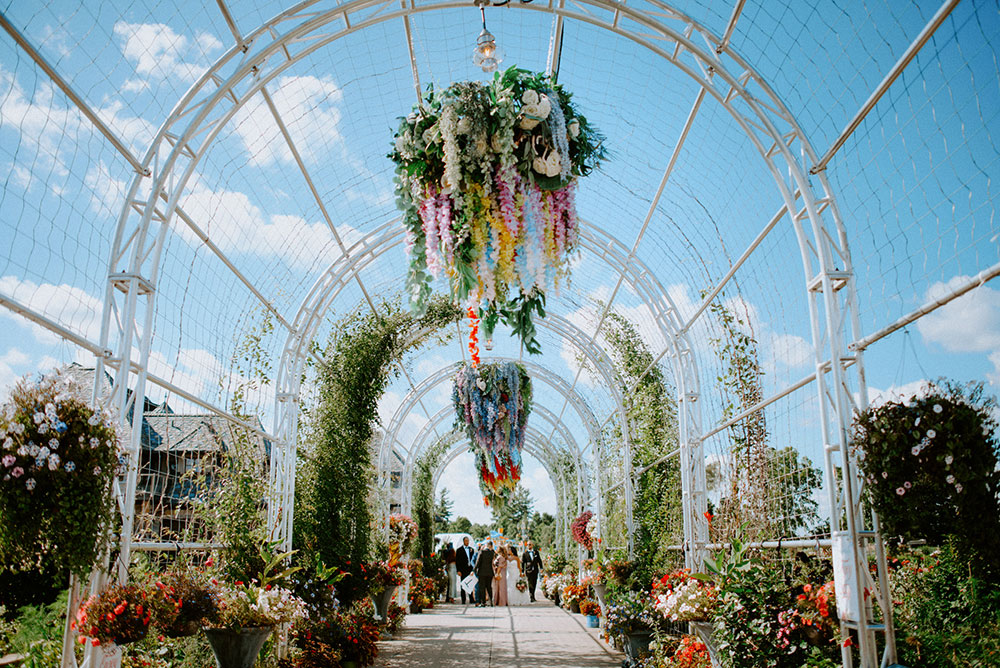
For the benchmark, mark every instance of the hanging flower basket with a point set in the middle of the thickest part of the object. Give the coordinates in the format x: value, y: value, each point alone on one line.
x: 578, y: 530
x: 57, y: 462
x: 402, y: 531
x: 485, y: 178
x: 492, y: 403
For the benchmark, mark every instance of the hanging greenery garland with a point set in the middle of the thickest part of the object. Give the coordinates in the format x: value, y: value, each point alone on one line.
x: 492, y: 403
x: 485, y: 178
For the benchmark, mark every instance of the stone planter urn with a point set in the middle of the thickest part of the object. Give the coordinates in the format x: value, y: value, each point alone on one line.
x: 238, y: 647
x: 636, y: 643
x: 704, y: 632
x: 382, y: 602
x: 601, y: 592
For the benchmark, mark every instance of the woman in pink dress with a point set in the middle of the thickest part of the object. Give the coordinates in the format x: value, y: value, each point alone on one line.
x: 500, y: 577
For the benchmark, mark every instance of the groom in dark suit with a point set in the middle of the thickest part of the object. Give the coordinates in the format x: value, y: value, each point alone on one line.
x: 531, y: 562
x: 484, y: 571
x: 464, y: 560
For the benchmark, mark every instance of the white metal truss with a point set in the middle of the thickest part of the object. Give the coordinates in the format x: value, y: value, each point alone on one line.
x: 244, y: 71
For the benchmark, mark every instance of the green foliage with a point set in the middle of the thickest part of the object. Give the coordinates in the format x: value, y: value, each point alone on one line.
x: 792, y: 481
x: 652, y: 417
x: 542, y: 531
x: 931, y: 471
x: 57, y: 462
x: 442, y: 511
x: 36, y: 632
x: 741, y: 387
x: 333, y: 518
x: 513, y: 513
x: 423, y: 497
x: 944, y: 616
x: 460, y: 524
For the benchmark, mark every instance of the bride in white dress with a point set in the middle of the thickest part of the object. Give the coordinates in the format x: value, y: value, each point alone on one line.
x: 514, y: 596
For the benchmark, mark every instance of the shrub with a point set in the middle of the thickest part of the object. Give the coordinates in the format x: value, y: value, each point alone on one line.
x: 180, y: 602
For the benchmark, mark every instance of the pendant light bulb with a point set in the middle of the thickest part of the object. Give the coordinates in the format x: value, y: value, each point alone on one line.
x: 486, y: 54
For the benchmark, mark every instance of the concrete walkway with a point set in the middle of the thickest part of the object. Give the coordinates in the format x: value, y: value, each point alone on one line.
x: 539, y: 635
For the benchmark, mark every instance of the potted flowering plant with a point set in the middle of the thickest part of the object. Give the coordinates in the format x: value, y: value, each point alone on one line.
x: 681, y: 598
x: 931, y: 470
x: 552, y: 585
x: 592, y: 610
x: 119, y: 615
x: 571, y: 595
x: 629, y: 623
x: 180, y: 603
x: 812, y: 622
x: 384, y: 576
x: 691, y: 653
x: 57, y: 462
x: 247, y: 614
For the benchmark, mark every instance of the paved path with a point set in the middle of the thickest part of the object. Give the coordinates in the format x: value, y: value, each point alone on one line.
x: 539, y: 635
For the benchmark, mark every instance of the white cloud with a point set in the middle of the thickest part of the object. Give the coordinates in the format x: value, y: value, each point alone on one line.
x: 902, y: 392
x: 970, y: 323
x: 237, y: 225
x: 70, y: 306
x: 787, y: 350
x: 462, y: 482
x: 107, y: 193
x: 49, y: 124
x: 159, y: 53
x: 308, y: 107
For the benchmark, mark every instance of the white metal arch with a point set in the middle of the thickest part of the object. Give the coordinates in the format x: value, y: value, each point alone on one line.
x: 422, y: 443
x: 595, y: 240
x: 458, y: 444
x: 709, y: 60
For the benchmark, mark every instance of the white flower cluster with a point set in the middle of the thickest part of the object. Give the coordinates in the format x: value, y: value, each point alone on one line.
x: 594, y: 528
x: 690, y: 601
x: 552, y: 584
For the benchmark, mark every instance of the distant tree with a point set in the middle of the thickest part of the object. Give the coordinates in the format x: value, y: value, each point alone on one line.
x: 791, y: 481
x: 460, y: 525
x: 513, y: 513
x: 442, y: 512
x: 542, y: 530
x: 479, y: 531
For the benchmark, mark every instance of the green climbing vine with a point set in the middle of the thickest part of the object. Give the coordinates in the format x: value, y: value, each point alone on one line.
x: 652, y: 422
x: 333, y: 518
x: 423, y: 497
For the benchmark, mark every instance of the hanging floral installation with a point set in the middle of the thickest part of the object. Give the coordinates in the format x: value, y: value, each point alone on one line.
x: 486, y: 177
x: 495, y: 490
x: 492, y: 403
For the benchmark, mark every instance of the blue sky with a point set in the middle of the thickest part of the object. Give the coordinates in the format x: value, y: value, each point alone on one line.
x: 914, y: 185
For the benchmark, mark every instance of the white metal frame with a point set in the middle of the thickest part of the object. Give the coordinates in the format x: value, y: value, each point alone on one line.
x: 192, y: 126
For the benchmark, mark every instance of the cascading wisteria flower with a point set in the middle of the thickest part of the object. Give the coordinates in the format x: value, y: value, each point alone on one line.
x: 492, y: 403
x: 486, y: 177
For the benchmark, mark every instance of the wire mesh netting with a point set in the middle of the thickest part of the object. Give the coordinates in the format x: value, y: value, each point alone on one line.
x: 264, y: 216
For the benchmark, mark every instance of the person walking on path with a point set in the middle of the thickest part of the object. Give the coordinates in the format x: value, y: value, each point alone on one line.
x: 484, y: 571
x: 500, y: 578
x: 464, y: 561
x: 532, y: 565
x: 452, y: 570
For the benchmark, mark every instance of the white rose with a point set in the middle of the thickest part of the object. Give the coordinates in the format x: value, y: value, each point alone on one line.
x: 553, y: 165
x: 538, y: 164
x: 530, y: 97
x: 399, y: 148
x: 463, y: 126
x: 574, y: 128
